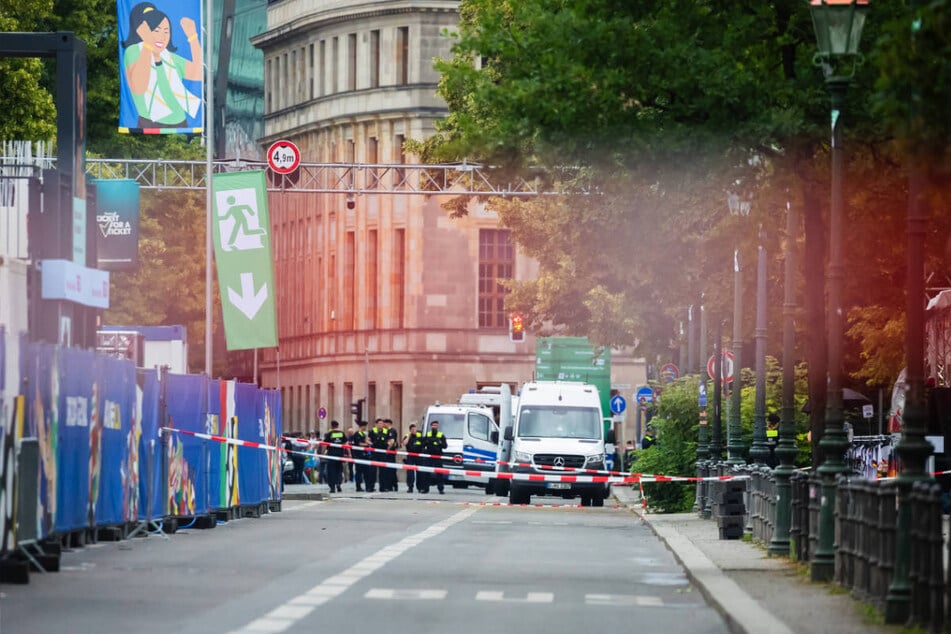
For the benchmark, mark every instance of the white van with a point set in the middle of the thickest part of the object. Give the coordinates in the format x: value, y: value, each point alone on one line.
x: 557, y: 426
x: 471, y: 438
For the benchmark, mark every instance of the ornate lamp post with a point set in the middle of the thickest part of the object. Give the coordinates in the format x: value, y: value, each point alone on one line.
x: 734, y: 432
x: 759, y: 452
x: 913, y: 450
x: 786, y: 449
x: 838, y: 25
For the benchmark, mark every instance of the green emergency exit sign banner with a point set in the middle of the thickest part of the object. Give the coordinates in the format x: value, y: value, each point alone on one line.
x: 242, y: 238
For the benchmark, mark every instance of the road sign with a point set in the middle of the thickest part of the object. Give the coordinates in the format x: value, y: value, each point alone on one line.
x: 644, y: 395
x: 669, y: 373
x: 702, y: 395
x: 241, y: 233
x: 283, y: 157
x: 618, y: 404
x: 322, y: 413
x: 726, y: 370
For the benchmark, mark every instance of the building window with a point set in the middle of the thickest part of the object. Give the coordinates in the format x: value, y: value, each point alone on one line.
x: 373, y: 288
x: 398, y: 277
x: 399, y: 157
x: 322, y: 69
x: 285, y: 94
x: 496, y: 263
x: 335, y: 65
x: 402, y: 55
x: 373, y: 177
x: 352, y: 61
x: 374, y: 59
x: 310, y: 71
x: 270, y: 83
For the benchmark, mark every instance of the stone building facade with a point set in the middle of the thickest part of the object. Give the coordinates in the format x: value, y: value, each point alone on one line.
x: 380, y: 296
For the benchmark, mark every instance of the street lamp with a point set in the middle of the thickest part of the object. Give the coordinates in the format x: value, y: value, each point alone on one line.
x: 734, y: 431
x: 759, y: 452
x: 838, y: 25
x: 912, y: 449
x: 786, y: 451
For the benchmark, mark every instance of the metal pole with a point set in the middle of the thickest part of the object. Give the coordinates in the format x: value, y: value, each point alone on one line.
x: 786, y: 450
x: 834, y: 440
x: 734, y: 442
x: 209, y: 158
x: 716, y: 440
x: 913, y: 450
x: 759, y: 452
x: 691, y: 362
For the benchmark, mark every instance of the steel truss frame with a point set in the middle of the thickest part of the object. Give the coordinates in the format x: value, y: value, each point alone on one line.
x: 347, y: 178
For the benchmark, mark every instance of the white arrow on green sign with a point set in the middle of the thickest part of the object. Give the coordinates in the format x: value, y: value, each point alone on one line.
x: 242, y: 236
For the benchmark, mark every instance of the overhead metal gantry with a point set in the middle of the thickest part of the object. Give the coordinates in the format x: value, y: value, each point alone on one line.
x: 353, y: 178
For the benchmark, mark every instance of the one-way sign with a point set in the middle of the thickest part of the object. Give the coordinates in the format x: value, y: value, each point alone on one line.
x: 618, y: 404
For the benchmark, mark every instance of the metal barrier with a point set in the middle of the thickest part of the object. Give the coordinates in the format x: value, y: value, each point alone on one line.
x: 926, y: 573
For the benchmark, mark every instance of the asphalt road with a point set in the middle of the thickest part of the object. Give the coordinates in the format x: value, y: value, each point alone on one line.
x: 383, y: 564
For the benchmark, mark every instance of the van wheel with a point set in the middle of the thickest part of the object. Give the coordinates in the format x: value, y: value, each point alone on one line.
x: 597, y: 501
x: 517, y: 497
x: 501, y: 488
x: 585, y: 500
x: 490, y: 488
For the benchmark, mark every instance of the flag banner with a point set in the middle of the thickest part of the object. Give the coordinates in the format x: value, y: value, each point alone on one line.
x: 117, y: 220
x: 161, y: 67
x: 242, y: 238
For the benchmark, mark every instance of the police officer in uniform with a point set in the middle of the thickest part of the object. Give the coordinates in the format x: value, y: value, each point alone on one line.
x: 364, y: 473
x: 335, y: 440
x: 378, y: 440
x: 413, y: 443
x: 388, y: 480
x: 435, y: 442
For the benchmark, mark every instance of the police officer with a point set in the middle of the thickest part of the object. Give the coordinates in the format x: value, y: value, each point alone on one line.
x: 648, y: 440
x: 388, y: 480
x: 378, y: 440
x: 364, y: 473
x: 772, y: 439
x: 435, y: 442
x: 335, y: 440
x: 413, y: 443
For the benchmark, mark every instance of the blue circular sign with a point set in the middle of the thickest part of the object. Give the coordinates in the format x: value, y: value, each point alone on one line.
x: 322, y: 413
x: 644, y: 395
x: 618, y: 404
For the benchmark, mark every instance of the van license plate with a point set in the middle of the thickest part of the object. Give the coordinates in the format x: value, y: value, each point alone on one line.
x: 558, y: 485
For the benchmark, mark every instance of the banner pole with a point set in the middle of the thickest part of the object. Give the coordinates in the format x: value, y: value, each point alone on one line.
x: 209, y: 157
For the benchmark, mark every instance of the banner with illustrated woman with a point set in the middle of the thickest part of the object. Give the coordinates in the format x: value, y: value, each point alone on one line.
x: 160, y: 61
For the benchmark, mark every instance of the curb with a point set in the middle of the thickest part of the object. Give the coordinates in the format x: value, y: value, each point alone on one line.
x: 305, y: 496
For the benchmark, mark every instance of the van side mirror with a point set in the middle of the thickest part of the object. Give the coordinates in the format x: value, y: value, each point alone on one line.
x: 495, y: 436
x: 508, y: 433
x: 609, y: 439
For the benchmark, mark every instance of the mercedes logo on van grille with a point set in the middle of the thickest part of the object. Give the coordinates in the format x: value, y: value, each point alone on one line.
x: 559, y: 462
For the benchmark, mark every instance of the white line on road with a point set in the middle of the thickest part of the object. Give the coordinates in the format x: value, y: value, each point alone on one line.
x: 284, y: 616
x: 531, y: 597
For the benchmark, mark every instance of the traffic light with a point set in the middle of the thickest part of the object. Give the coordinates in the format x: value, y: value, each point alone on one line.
x: 516, y: 328
x: 357, y: 410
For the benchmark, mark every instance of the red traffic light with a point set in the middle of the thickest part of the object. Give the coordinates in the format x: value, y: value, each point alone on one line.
x: 516, y: 327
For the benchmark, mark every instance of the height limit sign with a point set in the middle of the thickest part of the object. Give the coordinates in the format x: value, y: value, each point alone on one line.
x: 283, y: 157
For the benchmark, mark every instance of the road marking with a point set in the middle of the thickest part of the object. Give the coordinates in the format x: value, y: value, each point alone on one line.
x: 624, y: 600
x: 531, y: 597
x: 279, y: 619
x: 401, y: 594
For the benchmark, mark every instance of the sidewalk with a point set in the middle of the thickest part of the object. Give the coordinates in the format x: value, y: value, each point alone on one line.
x: 754, y: 593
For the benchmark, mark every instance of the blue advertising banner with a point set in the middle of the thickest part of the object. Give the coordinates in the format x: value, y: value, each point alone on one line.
x: 117, y: 219
x: 38, y: 368
x: 80, y: 435
x: 252, y: 462
x: 151, y: 497
x: 217, y: 496
x: 187, y: 470
x: 116, y: 406
x: 269, y: 408
x: 161, y: 72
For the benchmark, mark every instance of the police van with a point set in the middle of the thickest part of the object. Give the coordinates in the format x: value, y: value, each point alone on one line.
x: 472, y: 437
x: 557, y: 427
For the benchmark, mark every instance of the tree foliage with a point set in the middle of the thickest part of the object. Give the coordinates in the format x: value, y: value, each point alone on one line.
x: 656, y: 111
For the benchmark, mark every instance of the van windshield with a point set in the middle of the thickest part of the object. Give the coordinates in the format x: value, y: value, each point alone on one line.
x: 449, y: 424
x: 559, y: 422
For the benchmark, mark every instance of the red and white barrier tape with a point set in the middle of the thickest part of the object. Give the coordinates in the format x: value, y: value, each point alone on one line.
x: 633, y: 478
